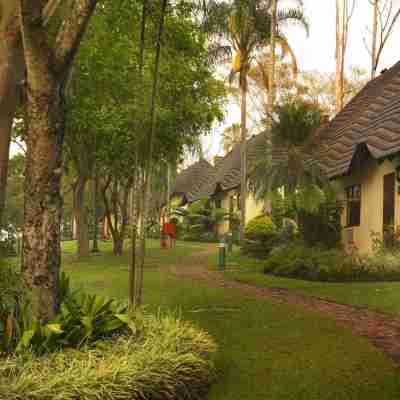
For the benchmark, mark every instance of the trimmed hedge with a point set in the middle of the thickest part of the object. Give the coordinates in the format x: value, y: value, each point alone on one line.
x: 260, y: 237
x: 318, y: 264
x: 170, y: 360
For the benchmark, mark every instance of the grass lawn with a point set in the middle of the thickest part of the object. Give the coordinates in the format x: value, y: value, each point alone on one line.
x: 266, y: 350
x: 381, y: 296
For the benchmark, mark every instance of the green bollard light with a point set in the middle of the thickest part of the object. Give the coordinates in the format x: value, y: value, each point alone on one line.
x: 230, y: 242
x: 222, y: 254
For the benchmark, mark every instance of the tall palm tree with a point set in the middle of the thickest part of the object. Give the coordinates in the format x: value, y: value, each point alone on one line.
x: 242, y: 28
x: 294, y: 167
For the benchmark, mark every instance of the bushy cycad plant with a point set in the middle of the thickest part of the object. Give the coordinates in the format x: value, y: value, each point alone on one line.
x: 294, y: 169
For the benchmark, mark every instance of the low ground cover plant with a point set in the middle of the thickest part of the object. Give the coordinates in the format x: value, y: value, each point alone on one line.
x: 170, y: 360
x: 96, y: 349
x: 332, y: 265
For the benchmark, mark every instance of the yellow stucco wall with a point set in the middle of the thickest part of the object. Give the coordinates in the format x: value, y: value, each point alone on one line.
x: 253, y: 209
x: 371, y: 179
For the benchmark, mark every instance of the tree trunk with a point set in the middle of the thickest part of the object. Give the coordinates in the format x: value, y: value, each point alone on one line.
x: 95, y: 248
x: 82, y: 220
x: 45, y: 130
x: 10, y: 49
x: 375, y: 6
x: 118, y: 245
x: 243, y: 155
x: 272, y: 88
x: 132, y: 290
x: 149, y: 162
x: 339, y: 55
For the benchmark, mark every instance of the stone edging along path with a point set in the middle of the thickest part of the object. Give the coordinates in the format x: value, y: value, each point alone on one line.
x: 382, y: 329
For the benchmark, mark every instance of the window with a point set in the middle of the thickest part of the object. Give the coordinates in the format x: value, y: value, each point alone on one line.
x: 353, y: 196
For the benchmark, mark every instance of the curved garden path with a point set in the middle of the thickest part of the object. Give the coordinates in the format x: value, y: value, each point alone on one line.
x: 382, y: 329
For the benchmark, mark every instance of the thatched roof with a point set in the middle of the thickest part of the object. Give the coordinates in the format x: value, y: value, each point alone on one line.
x: 370, y: 123
x: 227, y: 174
x: 191, y: 181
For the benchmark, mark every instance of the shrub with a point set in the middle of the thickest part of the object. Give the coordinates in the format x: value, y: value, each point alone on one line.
x: 388, y: 241
x: 12, y: 298
x: 260, y: 236
x: 322, y: 228
x: 83, y: 319
x: 319, y: 264
x: 170, y: 360
x: 260, y: 228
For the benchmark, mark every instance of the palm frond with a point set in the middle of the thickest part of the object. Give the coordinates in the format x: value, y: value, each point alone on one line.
x: 293, y: 16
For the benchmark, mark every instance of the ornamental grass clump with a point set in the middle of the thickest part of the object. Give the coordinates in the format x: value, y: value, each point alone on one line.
x: 171, y: 360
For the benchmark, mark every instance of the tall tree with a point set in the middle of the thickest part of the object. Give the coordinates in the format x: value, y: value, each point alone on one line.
x: 148, y: 167
x: 12, y: 71
x: 48, y: 65
x: 384, y: 18
x: 344, y: 13
x: 244, y: 27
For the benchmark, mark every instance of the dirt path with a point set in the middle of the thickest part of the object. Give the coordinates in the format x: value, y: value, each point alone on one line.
x: 382, y: 329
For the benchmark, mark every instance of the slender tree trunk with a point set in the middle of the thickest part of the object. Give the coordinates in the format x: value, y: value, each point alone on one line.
x: 272, y: 89
x: 149, y: 162
x: 168, y: 189
x: 339, y: 55
x: 132, y: 265
x: 82, y: 220
x: 243, y: 154
x: 10, y: 49
x: 271, y: 92
x: 95, y: 248
x: 375, y: 6
x: 133, y: 270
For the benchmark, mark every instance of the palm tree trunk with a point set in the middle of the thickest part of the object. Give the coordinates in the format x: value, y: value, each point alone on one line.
x: 149, y: 162
x: 271, y: 91
x: 243, y: 154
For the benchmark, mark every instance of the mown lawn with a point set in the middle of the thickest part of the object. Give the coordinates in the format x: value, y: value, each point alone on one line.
x: 266, y: 350
x: 381, y: 296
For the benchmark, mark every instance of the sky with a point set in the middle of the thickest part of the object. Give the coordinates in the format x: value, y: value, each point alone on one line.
x: 317, y: 51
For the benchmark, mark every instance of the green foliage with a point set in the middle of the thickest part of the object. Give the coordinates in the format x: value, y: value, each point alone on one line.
x: 260, y: 236
x: 12, y: 296
x: 292, y: 165
x: 321, y: 228
x: 169, y: 360
x: 388, y: 242
x: 318, y: 264
x: 282, y: 208
x: 201, y: 218
x: 83, y: 319
x: 205, y: 237
x: 260, y: 228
